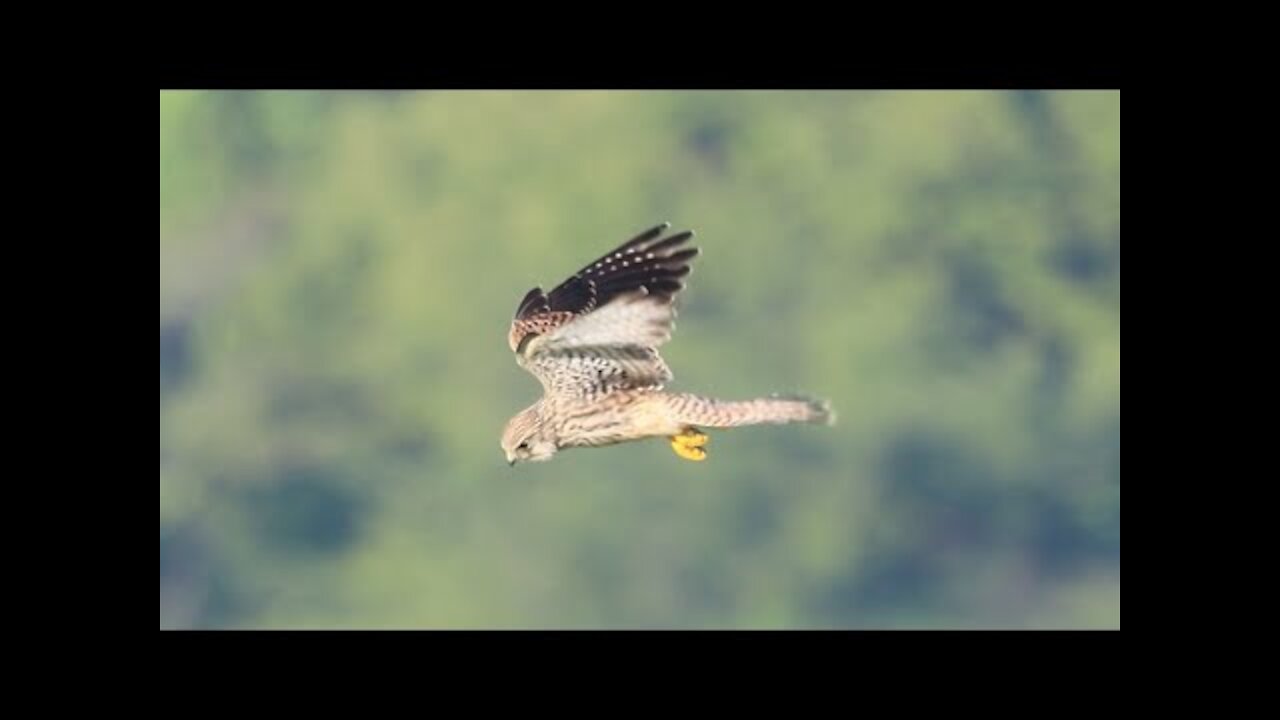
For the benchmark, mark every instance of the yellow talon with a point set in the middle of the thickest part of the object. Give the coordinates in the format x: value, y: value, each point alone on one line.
x: 693, y: 438
x: 688, y: 445
x: 695, y: 454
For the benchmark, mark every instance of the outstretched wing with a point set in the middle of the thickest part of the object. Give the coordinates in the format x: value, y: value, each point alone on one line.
x: 599, y: 330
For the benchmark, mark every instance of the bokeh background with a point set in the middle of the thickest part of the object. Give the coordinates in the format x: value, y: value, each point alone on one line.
x: 338, y: 271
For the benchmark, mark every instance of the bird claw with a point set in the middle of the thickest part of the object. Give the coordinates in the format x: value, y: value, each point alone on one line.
x: 689, y: 445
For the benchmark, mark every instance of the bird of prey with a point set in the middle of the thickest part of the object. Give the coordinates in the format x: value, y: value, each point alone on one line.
x: 593, y: 344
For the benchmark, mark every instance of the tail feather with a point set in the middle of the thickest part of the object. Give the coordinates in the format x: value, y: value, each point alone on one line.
x: 820, y: 410
x: 775, y: 410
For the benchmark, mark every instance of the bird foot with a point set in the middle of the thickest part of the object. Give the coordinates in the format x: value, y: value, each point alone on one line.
x: 689, y: 445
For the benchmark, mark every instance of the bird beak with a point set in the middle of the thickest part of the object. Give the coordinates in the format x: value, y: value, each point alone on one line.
x: 511, y: 462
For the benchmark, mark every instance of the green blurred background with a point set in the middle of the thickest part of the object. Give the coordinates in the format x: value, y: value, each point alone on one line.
x: 338, y: 271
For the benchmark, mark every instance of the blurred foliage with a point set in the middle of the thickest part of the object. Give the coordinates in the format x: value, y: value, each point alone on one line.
x: 337, y: 272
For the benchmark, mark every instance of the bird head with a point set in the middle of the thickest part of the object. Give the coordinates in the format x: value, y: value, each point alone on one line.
x: 523, y: 439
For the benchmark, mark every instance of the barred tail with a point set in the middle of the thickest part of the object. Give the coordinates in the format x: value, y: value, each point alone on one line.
x: 777, y: 410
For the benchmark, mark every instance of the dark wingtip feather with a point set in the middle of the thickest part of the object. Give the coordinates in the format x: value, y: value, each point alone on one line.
x: 664, y: 288
x: 532, y: 301
x: 645, y: 236
x: 674, y: 240
x: 647, y: 260
x: 681, y: 256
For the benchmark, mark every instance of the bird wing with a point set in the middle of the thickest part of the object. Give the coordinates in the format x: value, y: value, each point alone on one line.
x: 600, y: 330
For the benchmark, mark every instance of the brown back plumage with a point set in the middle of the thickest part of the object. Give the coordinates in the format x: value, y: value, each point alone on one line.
x: 647, y: 263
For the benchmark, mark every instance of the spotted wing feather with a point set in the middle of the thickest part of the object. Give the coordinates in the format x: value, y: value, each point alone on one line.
x: 591, y: 369
x: 599, y: 330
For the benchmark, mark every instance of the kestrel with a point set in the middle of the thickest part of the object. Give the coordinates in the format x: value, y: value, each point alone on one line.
x: 593, y: 344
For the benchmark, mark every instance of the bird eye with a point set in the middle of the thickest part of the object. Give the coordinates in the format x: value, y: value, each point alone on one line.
x: 523, y: 446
